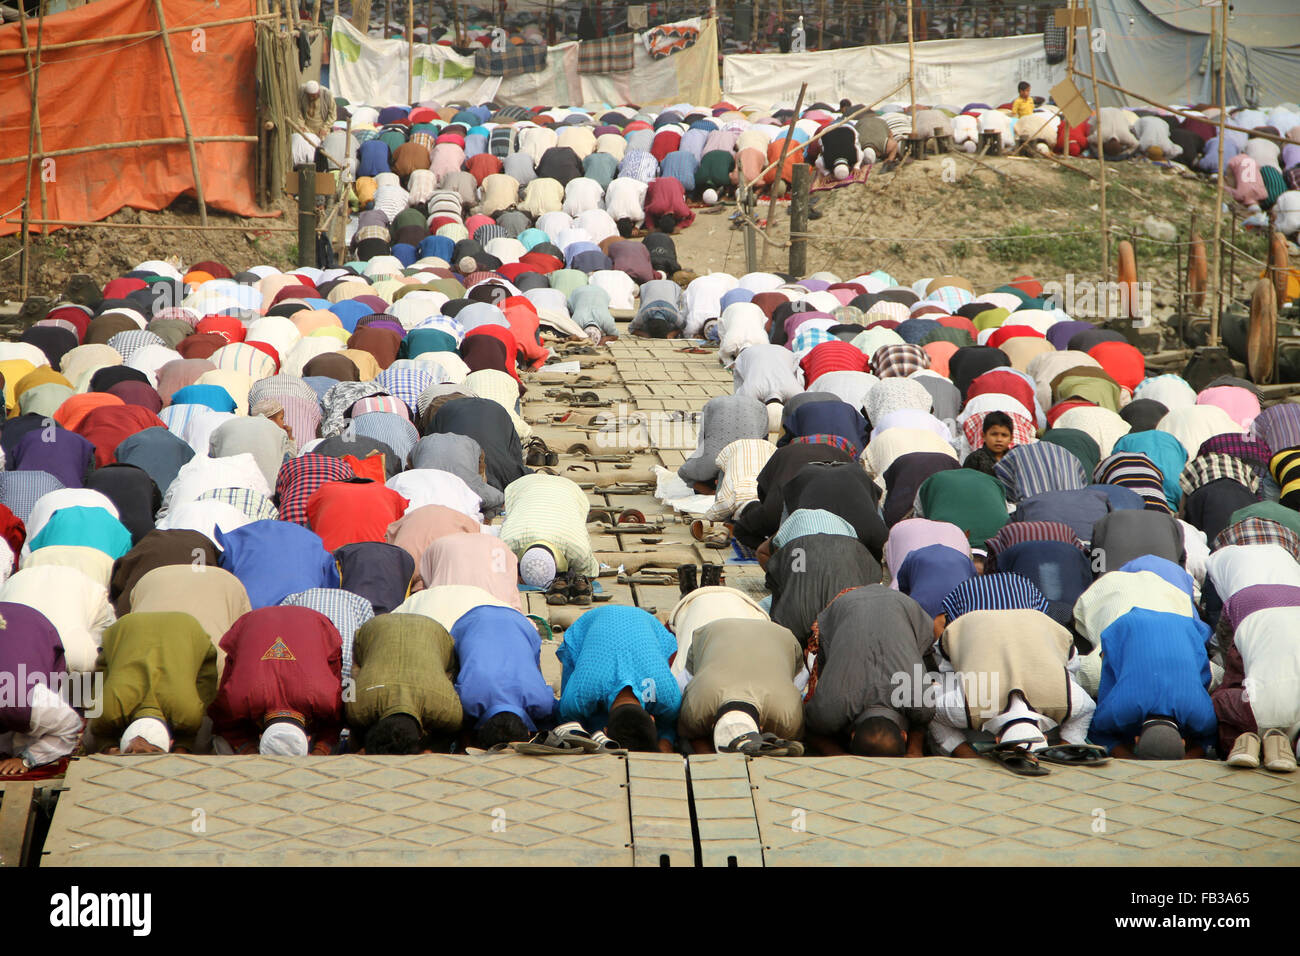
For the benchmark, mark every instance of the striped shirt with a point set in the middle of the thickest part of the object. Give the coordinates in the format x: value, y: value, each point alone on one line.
x: 806, y: 521
x: 739, y: 462
x: 1138, y: 472
x: 550, y: 510
x: 393, y: 430
x: 1114, y: 594
x: 1028, y: 470
x: 242, y: 357
x: 1278, y: 426
x: 1001, y: 591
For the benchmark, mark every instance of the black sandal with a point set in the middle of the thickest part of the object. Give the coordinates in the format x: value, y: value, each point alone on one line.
x: 1018, y: 758
x: 1074, y: 755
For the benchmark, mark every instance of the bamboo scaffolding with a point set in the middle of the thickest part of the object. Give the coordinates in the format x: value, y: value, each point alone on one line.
x: 1101, y: 149
x: 156, y: 226
x: 185, y: 113
x: 911, y: 65
x: 410, y: 51
x: 780, y: 163
x: 121, y: 38
x: 33, y: 138
x: 130, y: 144
x: 1218, y: 195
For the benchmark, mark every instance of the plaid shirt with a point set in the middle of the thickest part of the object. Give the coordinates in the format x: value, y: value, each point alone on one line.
x: 525, y: 58
x: 1022, y: 430
x: 1018, y: 532
x: 407, y: 384
x: 899, y: 361
x: 252, y: 503
x: 607, y: 55
x: 951, y: 297
x: 1258, y: 531
x: 370, y: 232
x: 1204, y: 469
x: 835, y: 441
x: 298, y: 480
x: 346, y: 611
x: 20, y: 490
x: 128, y: 343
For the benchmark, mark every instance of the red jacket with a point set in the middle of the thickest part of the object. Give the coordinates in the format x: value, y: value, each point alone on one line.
x: 345, y: 512
x: 665, y: 196
x: 280, y: 660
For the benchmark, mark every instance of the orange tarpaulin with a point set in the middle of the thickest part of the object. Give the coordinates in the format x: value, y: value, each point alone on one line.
x: 121, y: 91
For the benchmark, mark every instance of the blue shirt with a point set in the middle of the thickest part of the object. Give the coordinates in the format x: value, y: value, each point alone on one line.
x: 680, y: 165
x: 500, y: 667
x: 1153, y: 662
x: 608, y: 649
x: 274, y: 559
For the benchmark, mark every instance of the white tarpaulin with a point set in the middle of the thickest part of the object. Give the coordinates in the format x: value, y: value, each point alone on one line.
x: 366, y: 70
x: 950, y: 72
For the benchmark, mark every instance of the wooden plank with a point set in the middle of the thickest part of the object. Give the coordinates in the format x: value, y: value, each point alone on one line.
x: 16, y: 821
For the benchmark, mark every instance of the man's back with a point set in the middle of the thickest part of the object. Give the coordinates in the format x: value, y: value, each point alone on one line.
x: 401, y: 665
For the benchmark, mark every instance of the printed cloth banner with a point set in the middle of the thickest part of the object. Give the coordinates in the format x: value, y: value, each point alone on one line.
x: 664, y: 41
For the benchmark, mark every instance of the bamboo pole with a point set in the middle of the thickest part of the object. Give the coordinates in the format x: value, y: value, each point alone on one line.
x: 1218, y: 192
x: 1280, y: 140
x: 911, y: 64
x: 33, y: 137
x: 125, y: 37
x: 410, y: 51
x: 821, y: 27
x: 156, y: 226
x: 185, y: 113
x: 1069, y: 71
x: 132, y: 144
x: 780, y: 163
x: 1101, y: 153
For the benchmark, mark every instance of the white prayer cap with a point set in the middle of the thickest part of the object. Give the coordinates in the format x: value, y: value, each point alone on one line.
x: 311, y: 87
x: 869, y: 155
x: 710, y: 196
x: 283, y: 738
x: 841, y: 171
x: 153, y: 730
x: 537, y: 567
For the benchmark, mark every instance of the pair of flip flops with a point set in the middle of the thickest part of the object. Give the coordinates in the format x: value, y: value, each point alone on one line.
x: 565, y: 740
x: 754, y: 744
x: 537, y: 454
x: 1021, y: 760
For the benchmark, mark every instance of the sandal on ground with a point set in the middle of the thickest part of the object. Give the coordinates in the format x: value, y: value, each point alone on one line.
x: 578, y: 588
x: 1018, y: 758
x: 562, y: 740
x: 1074, y: 755
x: 754, y: 744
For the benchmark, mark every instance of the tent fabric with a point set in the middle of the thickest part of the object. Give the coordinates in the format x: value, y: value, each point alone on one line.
x: 134, y: 100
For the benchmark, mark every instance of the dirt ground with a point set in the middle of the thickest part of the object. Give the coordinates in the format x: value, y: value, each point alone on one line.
x: 923, y: 218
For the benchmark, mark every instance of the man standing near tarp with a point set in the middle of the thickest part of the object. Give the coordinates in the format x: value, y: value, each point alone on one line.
x: 317, y: 107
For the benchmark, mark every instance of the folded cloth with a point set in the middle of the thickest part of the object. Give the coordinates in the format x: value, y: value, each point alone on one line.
x: 608, y: 55
x: 525, y: 58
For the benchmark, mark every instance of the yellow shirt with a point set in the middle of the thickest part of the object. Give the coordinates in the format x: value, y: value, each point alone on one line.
x: 1023, y: 106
